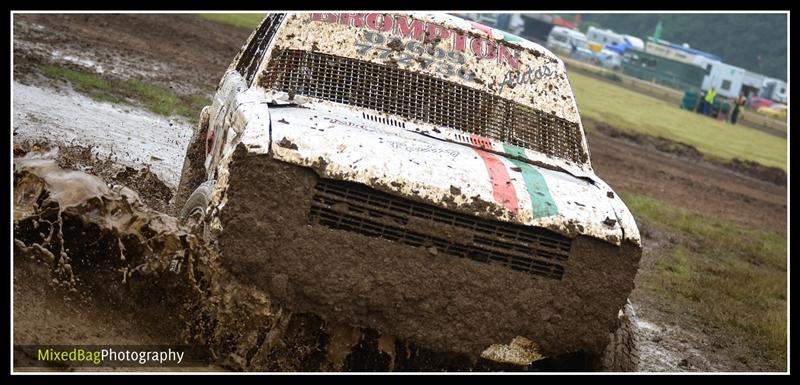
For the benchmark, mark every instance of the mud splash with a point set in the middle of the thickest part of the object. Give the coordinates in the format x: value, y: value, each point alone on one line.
x: 152, y: 190
x: 102, y: 245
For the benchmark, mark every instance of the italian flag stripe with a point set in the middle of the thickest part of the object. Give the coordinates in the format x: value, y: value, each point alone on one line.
x: 502, y: 189
x: 542, y: 204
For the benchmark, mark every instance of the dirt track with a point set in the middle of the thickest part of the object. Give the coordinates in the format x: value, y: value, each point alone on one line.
x: 178, y: 51
x: 189, y: 55
x: 693, y: 184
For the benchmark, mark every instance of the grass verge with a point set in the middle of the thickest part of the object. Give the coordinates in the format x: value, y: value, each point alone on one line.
x: 730, y: 280
x: 631, y: 111
x: 159, y: 100
x: 248, y: 21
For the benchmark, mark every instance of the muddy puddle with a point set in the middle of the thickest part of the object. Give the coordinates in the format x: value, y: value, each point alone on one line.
x: 95, y: 249
x: 126, y: 135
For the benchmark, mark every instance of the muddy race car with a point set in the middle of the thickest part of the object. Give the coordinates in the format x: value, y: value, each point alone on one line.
x: 419, y: 175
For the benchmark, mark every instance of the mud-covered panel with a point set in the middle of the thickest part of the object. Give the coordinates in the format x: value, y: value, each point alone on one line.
x: 450, y: 175
x: 625, y: 219
x: 144, y: 278
x: 431, y: 298
x: 254, y: 52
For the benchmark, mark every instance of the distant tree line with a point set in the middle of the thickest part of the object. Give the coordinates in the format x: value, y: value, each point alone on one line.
x: 756, y: 42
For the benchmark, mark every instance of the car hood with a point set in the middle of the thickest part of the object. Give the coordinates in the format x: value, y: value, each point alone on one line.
x: 381, y: 153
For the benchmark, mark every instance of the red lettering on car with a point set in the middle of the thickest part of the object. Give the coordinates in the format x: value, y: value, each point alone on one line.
x: 356, y: 18
x: 415, y: 29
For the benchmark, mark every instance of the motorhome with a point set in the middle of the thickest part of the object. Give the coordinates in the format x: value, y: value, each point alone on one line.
x: 752, y: 83
x: 725, y: 78
x: 682, y: 52
x: 634, y: 41
x: 604, y: 36
x: 775, y: 90
x: 565, y: 39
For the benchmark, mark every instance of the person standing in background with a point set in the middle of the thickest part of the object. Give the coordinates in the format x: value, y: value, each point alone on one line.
x: 738, y: 105
x: 701, y: 103
x: 709, y: 99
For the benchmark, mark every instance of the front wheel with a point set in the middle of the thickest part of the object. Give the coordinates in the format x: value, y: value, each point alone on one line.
x: 622, y: 354
x: 193, y: 172
x: 193, y: 213
x: 197, y: 203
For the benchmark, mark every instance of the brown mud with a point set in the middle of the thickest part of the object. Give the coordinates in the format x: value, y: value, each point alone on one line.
x: 434, y: 299
x: 123, y: 46
x: 694, y: 184
x: 686, y: 151
x: 102, y: 243
x: 141, y: 265
x: 152, y: 190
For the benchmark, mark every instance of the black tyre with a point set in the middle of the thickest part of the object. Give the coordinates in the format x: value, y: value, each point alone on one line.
x: 194, y: 171
x: 622, y: 354
x: 193, y: 213
x: 197, y: 203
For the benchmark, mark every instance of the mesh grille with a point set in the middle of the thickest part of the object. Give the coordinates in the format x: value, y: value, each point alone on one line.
x: 355, y: 207
x: 421, y: 97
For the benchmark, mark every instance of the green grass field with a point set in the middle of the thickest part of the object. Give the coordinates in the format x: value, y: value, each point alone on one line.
x: 731, y: 281
x: 154, y: 98
x: 248, y: 21
x: 634, y: 112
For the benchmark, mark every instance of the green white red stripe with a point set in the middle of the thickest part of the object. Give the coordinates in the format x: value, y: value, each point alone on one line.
x: 504, y: 192
x: 502, y: 188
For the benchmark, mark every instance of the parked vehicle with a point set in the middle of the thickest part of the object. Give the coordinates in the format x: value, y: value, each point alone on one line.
x: 604, y: 36
x: 725, y: 78
x: 566, y: 40
x: 662, y: 70
x: 756, y: 102
x: 609, y: 59
x: 585, y: 55
x: 419, y: 175
x: 777, y: 111
x: 774, y: 90
x: 752, y: 83
x: 634, y: 42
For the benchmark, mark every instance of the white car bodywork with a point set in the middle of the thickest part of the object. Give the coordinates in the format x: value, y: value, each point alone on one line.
x: 414, y: 158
